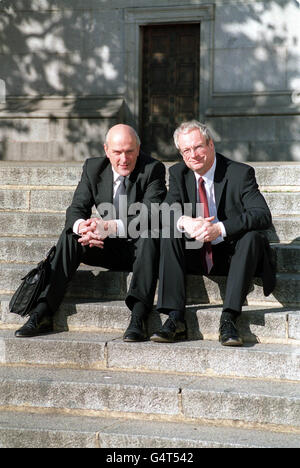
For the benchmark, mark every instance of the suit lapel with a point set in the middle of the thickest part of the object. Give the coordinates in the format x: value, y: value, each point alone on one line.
x: 220, y: 179
x: 131, y: 184
x: 131, y: 188
x: 190, y: 183
x: 105, y: 185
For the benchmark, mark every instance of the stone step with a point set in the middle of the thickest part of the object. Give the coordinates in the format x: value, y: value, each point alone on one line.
x: 89, y: 388
x: 256, y: 324
x: 100, y: 351
x: 283, y: 203
x: 264, y: 361
x: 288, y: 257
x: 212, y: 290
x: 57, y: 199
x: 35, y: 199
x: 33, y: 250
x: 152, y: 396
x: 22, y: 223
x: 281, y: 173
x: 88, y: 282
x: 285, y: 229
x: 30, y: 430
x: 95, y: 283
x: 25, y: 249
x: 40, y: 173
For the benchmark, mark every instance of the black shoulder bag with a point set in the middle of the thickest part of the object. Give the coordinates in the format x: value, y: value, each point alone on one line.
x: 26, y: 296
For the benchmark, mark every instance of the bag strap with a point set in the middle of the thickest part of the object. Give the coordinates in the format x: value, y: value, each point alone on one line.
x: 50, y: 254
x: 49, y: 257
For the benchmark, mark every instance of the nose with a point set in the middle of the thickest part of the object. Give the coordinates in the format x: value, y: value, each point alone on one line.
x: 123, y: 159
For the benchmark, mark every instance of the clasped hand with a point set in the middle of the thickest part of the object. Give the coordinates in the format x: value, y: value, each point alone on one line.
x: 201, y: 229
x: 94, y: 231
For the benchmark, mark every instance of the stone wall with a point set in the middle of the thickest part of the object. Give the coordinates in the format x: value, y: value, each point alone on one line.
x: 254, y: 104
x: 69, y: 70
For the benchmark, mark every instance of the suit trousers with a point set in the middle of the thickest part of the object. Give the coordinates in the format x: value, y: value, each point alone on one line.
x: 240, y: 261
x: 141, y: 256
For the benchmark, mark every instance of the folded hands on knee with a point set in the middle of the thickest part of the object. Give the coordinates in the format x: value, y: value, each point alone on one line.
x: 201, y: 229
x: 94, y: 231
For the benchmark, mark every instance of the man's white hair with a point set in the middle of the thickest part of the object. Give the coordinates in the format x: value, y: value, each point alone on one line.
x: 187, y: 127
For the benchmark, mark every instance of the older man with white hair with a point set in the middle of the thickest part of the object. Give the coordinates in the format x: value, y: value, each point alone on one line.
x: 234, y: 214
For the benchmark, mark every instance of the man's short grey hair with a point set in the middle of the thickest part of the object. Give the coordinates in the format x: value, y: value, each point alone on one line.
x: 138, y: 140
x: 187, y: 127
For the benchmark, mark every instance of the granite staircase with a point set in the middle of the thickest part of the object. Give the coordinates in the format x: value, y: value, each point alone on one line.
x: 84, y: 387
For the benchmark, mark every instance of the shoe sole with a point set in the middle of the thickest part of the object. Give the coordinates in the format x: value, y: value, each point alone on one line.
x: 37, y: 334
x: 160, y: 339
x: 232, y: 343
x: 131, y: 340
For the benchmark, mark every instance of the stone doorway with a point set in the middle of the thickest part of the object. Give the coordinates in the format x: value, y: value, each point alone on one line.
x: 170, y: 84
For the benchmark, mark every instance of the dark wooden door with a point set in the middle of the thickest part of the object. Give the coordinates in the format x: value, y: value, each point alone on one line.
x: 170, y: 84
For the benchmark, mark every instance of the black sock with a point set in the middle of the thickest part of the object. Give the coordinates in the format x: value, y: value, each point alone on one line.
x: 229, y: 314
x: 176, y: 315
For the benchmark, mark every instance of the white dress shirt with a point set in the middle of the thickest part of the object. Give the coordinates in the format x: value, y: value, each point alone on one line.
x: 208, y: 178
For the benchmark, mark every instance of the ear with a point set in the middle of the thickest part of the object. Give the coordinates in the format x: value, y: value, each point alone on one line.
x: 106, y: 150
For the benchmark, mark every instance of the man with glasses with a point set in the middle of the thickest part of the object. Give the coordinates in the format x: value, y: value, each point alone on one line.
x: 233, y: 214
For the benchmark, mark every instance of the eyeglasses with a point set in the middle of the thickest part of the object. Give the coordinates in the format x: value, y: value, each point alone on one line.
x: 193, y: 149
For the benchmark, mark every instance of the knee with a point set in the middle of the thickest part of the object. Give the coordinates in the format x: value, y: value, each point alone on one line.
x: 144, y: 245
x: 68, y: 244
x: 167, y: 243
x: 67, y: 235
x: 252, y: 238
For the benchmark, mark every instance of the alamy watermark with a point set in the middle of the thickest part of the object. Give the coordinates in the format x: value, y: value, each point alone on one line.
x: 2, y: 92
x: 152, y: 220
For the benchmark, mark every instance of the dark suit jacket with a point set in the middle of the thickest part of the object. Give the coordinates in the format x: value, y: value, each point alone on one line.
x: 146, y: 185
x: 240, y: 205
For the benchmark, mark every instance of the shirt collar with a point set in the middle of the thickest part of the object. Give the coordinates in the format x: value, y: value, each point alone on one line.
x: 115, y: 175
x: 208, y: 177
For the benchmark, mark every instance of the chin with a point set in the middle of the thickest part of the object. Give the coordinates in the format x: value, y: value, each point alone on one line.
x: 124, y: 172
x: 197, y: 167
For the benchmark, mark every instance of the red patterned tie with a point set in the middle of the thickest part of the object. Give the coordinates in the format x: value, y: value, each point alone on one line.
x: 206, y: 251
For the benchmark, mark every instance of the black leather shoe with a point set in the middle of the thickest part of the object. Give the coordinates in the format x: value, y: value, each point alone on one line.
x: 229, y: 335
x: 136, y: 330
x: 172, y: 330
x: 38, y: 324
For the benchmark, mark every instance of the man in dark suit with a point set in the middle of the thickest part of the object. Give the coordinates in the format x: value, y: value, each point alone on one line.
x: 228, y: 231
x: 124, y: 175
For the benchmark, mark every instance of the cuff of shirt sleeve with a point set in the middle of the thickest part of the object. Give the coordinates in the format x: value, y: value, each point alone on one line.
x: 223, y: 230
x: 120, y: 229
x: 76, y: 225
x: 179, y: 228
